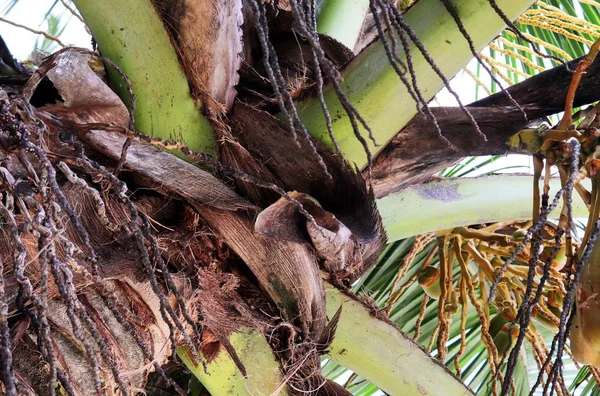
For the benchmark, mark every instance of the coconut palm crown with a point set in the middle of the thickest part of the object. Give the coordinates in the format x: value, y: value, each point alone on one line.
x: 243, y: 197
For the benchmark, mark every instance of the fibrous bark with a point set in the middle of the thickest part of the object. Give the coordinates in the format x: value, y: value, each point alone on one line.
x: 208, y: 35
x: 79, y: 255
x: 115, y: 232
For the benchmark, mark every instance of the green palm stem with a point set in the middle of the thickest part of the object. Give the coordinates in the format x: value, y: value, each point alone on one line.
x: 376, y: 92
x: 223, y: 377
x: 449, y: 203
x: 375, y: 349
x: 131, y: 34
x: 342, y: 19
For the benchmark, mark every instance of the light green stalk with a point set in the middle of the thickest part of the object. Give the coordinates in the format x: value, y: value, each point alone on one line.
x: 131, y: 34
x: 381, y: 353
x: 449, y: 203
x: 372, y: 86
x: 224, y: 378
x: 342, y: 19
x: 372, y: 348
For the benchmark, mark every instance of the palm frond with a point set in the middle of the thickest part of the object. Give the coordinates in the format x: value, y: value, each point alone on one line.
x: 9, y: 5
x: 564, y: 29
x: 46, y: 45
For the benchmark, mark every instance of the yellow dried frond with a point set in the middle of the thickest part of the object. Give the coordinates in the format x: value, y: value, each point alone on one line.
x: 541, y: 43
x: 421, y: 241
x: 590, y: 2
x: 514, y: 70
x: 556, y: 29
x: 508, y: 43
x: 564, y: 23
x: 478, y: 81
x: 516, y: 55
x: 495, y: 66
x: 565, y: 20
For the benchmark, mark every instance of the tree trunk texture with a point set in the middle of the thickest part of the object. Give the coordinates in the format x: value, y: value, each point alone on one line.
x: 179, y: 229
x: 90, y: 299
x: 113, y: 280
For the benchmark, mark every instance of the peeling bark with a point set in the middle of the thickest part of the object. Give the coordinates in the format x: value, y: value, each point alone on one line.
x: 208, y: 35
x: 120, y: 322
x: 417, y: 152
x: 140, y: 307
x: 286, y: 270
x: 158, y: 168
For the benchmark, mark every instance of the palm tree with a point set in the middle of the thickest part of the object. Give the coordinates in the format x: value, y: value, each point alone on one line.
x: 243, y: 172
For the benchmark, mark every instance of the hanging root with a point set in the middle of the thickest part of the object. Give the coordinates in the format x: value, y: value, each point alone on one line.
x: 567, y: 315
x: 5, y: 342
x: 25, y: 293
x: 396, y: 62
x: 311, y: 27
x: 202, y: 158
x: 171, y: 319
x: 304, y: 15
x: 401, y: 25
x: 535, y: 228
x: 284, y: 99
x: 390, y: 44
x: 535, y: 234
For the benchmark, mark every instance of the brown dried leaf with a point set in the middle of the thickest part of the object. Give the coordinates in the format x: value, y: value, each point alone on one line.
x: 345, y: 195
x: 86, y: 97
x: 209, y: 39
x: 166, y: 173
x: 286, y: 269
x: 333, y: 242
